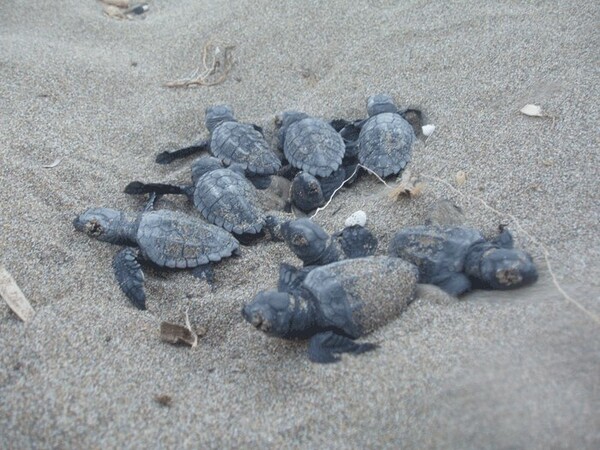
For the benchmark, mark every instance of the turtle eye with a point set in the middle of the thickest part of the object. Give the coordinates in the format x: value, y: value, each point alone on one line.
x: 93, y: 228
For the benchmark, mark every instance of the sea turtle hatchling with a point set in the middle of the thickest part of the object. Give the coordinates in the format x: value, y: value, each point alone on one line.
x: 458, y: 258
x: 336, y: 304
x: 384, y: 143
x: 311, y: 244
x: 165, y: 238
x: 310, y: 144
x: 231, y: 142
x: 222, y: 195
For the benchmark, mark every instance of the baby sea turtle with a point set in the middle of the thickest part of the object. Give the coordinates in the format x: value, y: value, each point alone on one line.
x: 385, y: 141
x: 336, y: 304
x: 309, y: 192
x: 165, y: 238
x: 231, y: 142
x: 459, y: 258
x: 222, y: 195
x: 311, y: 144
x: 315, y: 247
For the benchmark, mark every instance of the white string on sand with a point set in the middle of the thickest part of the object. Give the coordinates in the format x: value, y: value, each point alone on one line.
x: 535, y: 240
x: 358, y: 166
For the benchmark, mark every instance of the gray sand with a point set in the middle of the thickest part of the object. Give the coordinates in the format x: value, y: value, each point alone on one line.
x: 493, y: 370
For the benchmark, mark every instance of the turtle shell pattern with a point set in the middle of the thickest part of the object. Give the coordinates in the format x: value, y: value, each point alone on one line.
x: 385, y: 144
x: 434, y: 250
x: 227, y: 199
x: 176, y: 240
x: 314, y: 146
x: 377, y: 288
x: 235, y: 142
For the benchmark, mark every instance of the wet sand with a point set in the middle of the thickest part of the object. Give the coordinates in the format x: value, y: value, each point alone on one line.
x: 492, y: 370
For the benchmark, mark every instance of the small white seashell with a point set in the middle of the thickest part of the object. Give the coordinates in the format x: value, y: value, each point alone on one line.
x: 356, y: 218
x: 428, y: 129
x: 532, y: 110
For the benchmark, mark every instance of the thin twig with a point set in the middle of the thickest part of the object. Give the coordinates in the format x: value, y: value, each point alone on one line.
x: 216, y: 60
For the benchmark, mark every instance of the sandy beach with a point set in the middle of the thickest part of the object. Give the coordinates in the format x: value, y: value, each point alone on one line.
x: 85, y: 110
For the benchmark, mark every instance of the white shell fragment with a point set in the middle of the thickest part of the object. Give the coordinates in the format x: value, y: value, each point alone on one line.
x: 428, y: 130
x: 356, y: 218
x: 532, y: 110
x: 461, y: 177
x: 12, y: 294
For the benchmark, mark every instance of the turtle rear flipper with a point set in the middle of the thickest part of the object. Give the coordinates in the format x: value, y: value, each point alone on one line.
x: 324, y: 347
x: 504, y: 238
x: 130, y: 276
x: 205, y: 272
x: 169, y: 157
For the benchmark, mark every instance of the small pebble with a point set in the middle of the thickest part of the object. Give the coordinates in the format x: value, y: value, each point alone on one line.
x: 428, y: 130
x: 356, y: 218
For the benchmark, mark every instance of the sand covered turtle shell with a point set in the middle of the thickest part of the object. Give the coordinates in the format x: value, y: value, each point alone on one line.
x: 173, y: 239
x: 235, y: 142
x: 385, y: 144
x: 435, y: 250
x: 377, y: 288
x: 227, y: 199
x: 313, y: 145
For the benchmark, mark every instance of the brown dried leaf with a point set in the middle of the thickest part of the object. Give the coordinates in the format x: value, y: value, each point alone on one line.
x: 117, y: 3
x: 409, y: 186
x: 10, y: 291
x: 178, y: 334
x: 114, y: 12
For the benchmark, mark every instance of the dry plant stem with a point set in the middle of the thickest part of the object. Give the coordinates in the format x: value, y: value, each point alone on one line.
x: 536, y: 241
x: 211, y: 63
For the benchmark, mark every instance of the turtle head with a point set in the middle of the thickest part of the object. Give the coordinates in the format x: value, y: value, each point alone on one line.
x: 271, y: 312
x: 103, y: 224
x: 216, y: 115
x: 502, y: 268
x: 289, y: 117
x: 204, y: 165
x: 306, y: 239
x: 380, y: 103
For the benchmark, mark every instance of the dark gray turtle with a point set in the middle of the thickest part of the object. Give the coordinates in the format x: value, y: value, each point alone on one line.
x: 309, y: 192
x: 336, y: 304
x: 383, y: 142
x: 222, y: 195
x: 315, y: 247
x: 165, y: 238
x: 231, y: 142
x: 311, y: 144
x: 459, y: 258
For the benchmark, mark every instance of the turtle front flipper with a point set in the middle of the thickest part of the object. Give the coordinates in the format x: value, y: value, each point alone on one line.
x: 130, y: 276
x: 169, y: 157
x: 454, y: 284
x: 138, y: 188
x: 291, y: 278
x: 356, y: 241
x: 324, y: 347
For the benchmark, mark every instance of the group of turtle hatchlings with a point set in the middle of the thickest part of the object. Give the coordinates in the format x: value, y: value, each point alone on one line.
x: 343, y: 291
